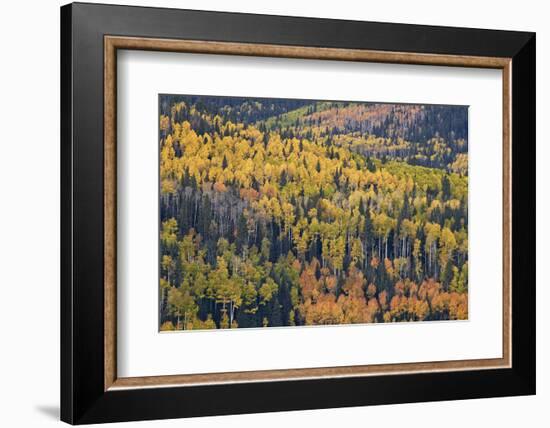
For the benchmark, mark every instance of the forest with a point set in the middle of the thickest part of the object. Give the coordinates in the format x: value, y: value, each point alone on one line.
x: 280, y: 212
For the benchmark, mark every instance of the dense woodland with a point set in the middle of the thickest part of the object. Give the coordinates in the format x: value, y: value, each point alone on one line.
x: 282, y: 212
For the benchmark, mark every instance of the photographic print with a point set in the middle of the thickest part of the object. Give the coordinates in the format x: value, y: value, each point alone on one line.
x: 289, y: 212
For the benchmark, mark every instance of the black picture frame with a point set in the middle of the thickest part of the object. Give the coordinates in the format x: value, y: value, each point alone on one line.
x: 83, y: 398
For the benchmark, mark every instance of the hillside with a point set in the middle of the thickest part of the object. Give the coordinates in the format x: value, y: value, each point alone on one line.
x: 279, y: 213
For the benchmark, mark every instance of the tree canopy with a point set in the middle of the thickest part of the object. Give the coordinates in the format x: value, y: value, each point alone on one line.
x: 291, y: 212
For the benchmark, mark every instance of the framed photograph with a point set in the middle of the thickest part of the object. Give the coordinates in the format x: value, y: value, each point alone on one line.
x: 265, y: 213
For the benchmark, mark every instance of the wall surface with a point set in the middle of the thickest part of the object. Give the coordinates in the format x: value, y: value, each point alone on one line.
x: 29, y: 214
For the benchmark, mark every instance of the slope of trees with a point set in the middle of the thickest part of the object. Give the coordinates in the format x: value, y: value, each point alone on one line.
x: 273, y: 213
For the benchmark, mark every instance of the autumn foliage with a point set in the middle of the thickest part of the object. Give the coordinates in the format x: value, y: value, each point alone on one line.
x: 289, y: 212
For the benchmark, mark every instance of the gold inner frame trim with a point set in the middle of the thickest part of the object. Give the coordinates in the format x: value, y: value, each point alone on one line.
x: 113, y: 43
